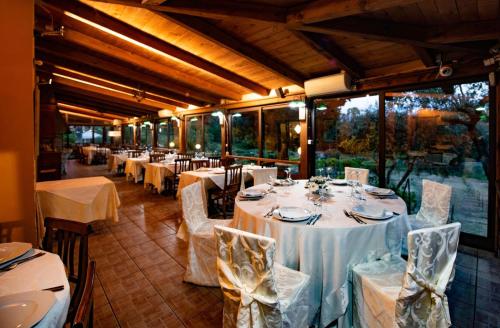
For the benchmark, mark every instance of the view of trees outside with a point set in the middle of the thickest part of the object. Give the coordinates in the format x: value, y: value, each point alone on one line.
x: 194, y: 126
x: 281, y: 133
x: 146, y: 134
x: 245, y: 133
x: 98, y: 134
x: 128, y: 135
x: 441, y: 135
x: 347, y: 135
x: 81, y: 134
x: 168, y: 131
x: 212, y: 134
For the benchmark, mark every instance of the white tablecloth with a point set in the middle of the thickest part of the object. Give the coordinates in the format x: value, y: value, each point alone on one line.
x: 133, y: 168
x: 83, y: 200
x: 116, y: 159
x: 327, y: 250
x: 155, y: 174
x: 40, y: 273
x: 90, y: 152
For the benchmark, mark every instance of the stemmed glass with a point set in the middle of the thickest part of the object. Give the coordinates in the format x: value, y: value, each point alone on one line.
x: 287, y: 172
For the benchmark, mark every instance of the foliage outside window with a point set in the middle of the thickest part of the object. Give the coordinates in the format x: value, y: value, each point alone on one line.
x: 205, y: 131
x: 245, y: 133
x: 194, y: 134
x: 281, y: 133
x: 347, y: 135
x: 128, y: 135
x: 146, y: 134
x: 168, y: 132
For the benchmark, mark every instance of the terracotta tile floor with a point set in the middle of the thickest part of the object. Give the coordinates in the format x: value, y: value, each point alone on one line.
x: 140, y: 265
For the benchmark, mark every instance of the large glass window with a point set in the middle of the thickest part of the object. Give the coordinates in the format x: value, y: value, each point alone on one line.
x: 347, y: 135
x: 441, y: 134
x: 281, y: 133
x: 128, y: 134
x: 212, y: 134
x: 98, y: 134
x: 245, y: 133
x: 194, y: 133
x: 168, y: 134
x: 146, y: 134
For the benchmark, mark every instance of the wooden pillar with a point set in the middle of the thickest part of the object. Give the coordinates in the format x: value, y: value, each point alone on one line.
x: 304, y: 156
x: 223, y: 136
x: 381, y: 142
x: 182, y: 135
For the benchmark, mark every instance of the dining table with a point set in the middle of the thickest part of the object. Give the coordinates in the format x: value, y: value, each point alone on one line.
x: 327, y: 250
x: 134, y: 166
x: 90, y: 151
x: 115, y: 160
x: 83, y: 200
x: 24, y: 282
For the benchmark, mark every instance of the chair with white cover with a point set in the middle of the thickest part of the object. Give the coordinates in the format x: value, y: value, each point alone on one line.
x: 393, y: 293
x: 257, y: 291
x: 261, y: 175
x: 353, y: 173
x: 435, y: 207
x: 201, y: 254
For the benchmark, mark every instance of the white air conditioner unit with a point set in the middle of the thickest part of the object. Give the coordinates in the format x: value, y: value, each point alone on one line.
x: 328, y: 85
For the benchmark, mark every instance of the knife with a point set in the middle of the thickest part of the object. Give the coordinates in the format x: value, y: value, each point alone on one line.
x: 316, y: 219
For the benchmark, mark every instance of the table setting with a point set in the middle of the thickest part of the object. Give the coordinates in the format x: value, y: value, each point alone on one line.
x: 322, y: 229
x: 34, y: 289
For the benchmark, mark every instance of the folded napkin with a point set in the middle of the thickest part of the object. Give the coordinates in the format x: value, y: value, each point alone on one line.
x: 369, y: 211
x: 379, y: 191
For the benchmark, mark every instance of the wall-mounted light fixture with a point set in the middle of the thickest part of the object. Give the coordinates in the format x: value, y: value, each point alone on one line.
x: 301, y: 106
x: 171, y: 144
x: 220, y: 115
x: 297, y: 128
x: 197, y: 146
x: 236, y: 115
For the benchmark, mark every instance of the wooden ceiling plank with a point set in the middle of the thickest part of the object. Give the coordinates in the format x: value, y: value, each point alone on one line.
x: 466, y: 32
x: 149, y: 40
x: 88, y: 61
x: 331, y: 50
x: 425, y: 56
x: 384, y: 31
x: 322, y: 10
x: 214, y: 9
x: 220, y: 37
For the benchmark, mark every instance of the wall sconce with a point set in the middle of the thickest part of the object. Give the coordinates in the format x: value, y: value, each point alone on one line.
x: 297, y: 128
x: 220, y: 115
x: 299, y: 151
x: 117, y: 122
x: 301, y: 107
x: 197, y: 146
x: 175, y: 119
x: 171, y: 144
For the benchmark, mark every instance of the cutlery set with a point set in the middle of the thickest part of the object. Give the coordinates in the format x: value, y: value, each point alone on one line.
x: 355, y: 218
x: 16, y: 263
x: 313, y: 219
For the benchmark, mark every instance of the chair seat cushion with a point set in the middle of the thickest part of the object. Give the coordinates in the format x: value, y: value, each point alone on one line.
x: 376, y: 286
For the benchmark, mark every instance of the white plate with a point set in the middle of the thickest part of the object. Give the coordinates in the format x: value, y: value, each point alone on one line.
x: 9, y: 251
x: 292, y: 214
x: 219, y: 171
x: 252, y: 193
x: 372, y: 212
x: 379, y: 191
x: 24, y: 310
x: 339, y: 182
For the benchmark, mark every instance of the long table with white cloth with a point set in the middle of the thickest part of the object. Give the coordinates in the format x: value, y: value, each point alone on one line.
x: 328, y: 249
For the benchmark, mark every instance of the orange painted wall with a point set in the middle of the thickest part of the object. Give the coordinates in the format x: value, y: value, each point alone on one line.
x: 17, y: 153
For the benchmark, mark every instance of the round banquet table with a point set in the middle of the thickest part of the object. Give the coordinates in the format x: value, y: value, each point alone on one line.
x: 37, y: 274
x: 327, y: 250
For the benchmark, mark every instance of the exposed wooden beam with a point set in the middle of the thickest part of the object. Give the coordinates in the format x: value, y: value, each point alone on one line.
x: 322, y: 10
x: 213, y: 33
x: 465, y: 32
x: 90, y: 14
x: 78, y: 114
x: 89, y: 62
x: 110, y: 84
x: 385, y: 31
x: 425, y: 56
x: 152, y: 2
x: 214, y: 9
x: 328, y: 48
x: 89, y: 111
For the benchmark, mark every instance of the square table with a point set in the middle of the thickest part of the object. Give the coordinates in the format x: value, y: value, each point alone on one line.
x: 83, y: 200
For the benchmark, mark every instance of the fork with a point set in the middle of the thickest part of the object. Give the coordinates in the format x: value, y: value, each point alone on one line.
x: 15, y: 264
x: 349, y: 215
x: 268, y: 214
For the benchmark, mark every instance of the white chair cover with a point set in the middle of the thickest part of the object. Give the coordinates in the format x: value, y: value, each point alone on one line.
x: 435, y: 207
x: 393, y: 293
x: 361, y: 175
x: 257, y: 292
x: 202, y: 256
x: 261, y: 175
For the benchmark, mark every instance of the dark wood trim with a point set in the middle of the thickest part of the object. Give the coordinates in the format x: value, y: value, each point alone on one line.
x: 211, y: 32
x: 381, y: 139
x: 136, y: 34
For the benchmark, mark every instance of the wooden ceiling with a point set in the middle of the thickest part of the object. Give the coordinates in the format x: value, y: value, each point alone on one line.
x: 134, y: 57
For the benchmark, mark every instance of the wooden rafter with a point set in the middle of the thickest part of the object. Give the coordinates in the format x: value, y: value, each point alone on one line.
x: 322, y: 10
x: 215, y: 9
x: 89, y: 62
x: 97, y: 17
x: 465, y: 32
x: 425, y: 56
x: 213, y: 33
x: 328, y: 48
x: 384, y: 31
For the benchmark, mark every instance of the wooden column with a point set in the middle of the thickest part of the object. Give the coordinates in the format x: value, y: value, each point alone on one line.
x: 182, y: 135
x: 304, y: 156
x: 497, y: 177
x: 381, y: 142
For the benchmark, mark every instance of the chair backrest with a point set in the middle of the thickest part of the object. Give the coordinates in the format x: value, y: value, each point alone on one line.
x: 261, y: 176
x: 196, y: 164
x: 431, y: 258
x: 134, y: 153
x: 268, y: 164
x: 84, y: 315
x: 214, y: 161
x: 227, y: 161
x: 232, y: 178
x: 184, y: 156
x: 436, y: 203
x: 63, y: 237
x: 245, y: 267
x: 193, y: 211
x: 182, y: 165
x: 353, y: 173
x: 156, y: 158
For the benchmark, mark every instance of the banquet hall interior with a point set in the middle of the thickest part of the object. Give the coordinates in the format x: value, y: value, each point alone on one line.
x: 261, y: 163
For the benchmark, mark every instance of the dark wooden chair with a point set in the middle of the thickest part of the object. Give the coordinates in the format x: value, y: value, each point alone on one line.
x: 184, y: 156
x: 227, y: 161
x: 171, y: 182
x: 223, y: 199
x: 84, y: 316
x: 100, y: 156
x: 69, y: 239
x: 82, y: 157
x: 214, y: 161
x: 196, y: 164
x: 156, y: 157
x: 134, y: 153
